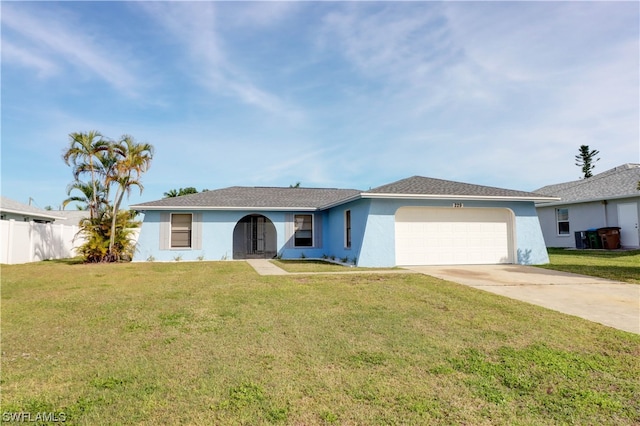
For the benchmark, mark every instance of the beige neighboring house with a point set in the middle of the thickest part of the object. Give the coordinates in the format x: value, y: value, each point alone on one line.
x: 29, y: 234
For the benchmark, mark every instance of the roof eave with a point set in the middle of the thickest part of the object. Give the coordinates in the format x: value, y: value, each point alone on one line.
x: 31, y: 214
x: 338, y: 203
x: 226, y: 208
x: 586, y: 200
x: 457, y: 197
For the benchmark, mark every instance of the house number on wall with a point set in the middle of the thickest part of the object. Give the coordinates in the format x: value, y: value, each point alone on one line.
x: 458, y: 205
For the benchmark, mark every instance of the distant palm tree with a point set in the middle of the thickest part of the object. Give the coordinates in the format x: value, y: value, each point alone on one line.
x: 82, y: 150
x: 180, y: 192
x: 135, y: 158
x: 171, y: 193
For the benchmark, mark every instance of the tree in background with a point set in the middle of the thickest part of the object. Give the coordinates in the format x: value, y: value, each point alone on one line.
x: 182, y: 191
x: 81, y: 154
x: 113, y: 167
x: 585, y: 160
x: 86, y: 197
x: 135, y: 159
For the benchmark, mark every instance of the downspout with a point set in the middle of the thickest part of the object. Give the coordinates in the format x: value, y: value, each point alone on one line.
x: 604, y: 211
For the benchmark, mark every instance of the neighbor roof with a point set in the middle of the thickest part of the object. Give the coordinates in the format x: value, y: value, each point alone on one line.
x: 619, y: 182
x: 11, y: 206
x: 423, y: 187
x: 265, y: 198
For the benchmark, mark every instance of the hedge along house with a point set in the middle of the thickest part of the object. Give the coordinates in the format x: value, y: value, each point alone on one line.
x: 414, y: 221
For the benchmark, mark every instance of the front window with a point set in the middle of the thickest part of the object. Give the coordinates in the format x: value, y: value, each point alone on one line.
x: 303, y: 236
x: 181, y: 230
x: 347, y: 229
x: 562, y: 217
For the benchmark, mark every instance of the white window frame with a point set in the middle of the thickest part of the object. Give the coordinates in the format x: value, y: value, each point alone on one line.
x: 190, y: 246
x: 347, y: 229
x: 567, y: 221
x: 295, y: 229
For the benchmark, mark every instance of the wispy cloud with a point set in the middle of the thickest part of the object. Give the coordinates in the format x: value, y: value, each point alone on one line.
x: 402, y: 43
x: 194, y: 26
x: 14, y: 54
x: 43, y: 41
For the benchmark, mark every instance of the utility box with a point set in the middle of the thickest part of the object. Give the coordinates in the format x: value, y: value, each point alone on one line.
x: 610, y: 237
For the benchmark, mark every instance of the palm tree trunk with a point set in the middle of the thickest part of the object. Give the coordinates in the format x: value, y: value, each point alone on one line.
x: 112, y: 237
x: 93, y: 211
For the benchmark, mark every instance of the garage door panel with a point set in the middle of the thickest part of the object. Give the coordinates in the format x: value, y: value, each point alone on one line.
x: 441, y: 236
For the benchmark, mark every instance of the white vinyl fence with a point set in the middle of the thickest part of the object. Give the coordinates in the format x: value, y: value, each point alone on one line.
x: 23, y: 242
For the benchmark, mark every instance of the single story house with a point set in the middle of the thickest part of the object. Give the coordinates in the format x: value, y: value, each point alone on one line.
x: 11, y: 209
x: 608, y: 199
x: 414, y: 221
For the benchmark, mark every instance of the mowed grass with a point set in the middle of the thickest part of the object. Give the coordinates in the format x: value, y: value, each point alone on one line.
x: 214, y: 343
x: 613, y: 265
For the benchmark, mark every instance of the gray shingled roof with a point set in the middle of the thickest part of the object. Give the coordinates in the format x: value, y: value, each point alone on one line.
x: 12, y: 206
x: 418, y: 185
x: 619, y: 182
x: 242, y: 197
x: 257, y: 197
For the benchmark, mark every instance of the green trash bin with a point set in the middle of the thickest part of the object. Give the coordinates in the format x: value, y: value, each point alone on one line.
x: 594, y: 239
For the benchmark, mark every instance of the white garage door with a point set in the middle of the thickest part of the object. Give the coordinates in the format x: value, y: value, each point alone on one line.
x: 453, y: 236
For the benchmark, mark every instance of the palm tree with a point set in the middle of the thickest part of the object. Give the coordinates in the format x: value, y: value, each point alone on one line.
x: 180, y: 192
x: 135, y: 159
x: 83, y: 148
x: 87, y: 196
x: 171, y: 193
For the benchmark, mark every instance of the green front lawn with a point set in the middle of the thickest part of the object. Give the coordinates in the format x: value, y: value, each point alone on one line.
x: 214, y: 343
x: 613, y: 265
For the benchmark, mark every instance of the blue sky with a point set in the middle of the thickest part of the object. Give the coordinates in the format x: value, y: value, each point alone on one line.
x: 338, y: 94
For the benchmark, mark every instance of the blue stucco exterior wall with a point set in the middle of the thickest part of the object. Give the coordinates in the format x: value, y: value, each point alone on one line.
x: 217, y: 236
x: 373, y: 232
x: 378, y: 245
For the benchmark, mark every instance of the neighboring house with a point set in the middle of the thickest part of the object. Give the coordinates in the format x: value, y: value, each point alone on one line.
x: 71, y: 217
x: 11, y: 209
x: 415, y: 221
x: 29, y: 234
x: 608, y: 199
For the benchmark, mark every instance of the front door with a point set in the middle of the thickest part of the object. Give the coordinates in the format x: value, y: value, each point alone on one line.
x: 254, y: 236
x: 628, y: 223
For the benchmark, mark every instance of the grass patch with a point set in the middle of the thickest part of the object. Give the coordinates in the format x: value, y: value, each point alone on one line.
x: 613, y: 265
x: 213, y: 343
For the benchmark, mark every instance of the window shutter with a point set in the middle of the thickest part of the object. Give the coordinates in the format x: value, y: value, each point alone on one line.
x: 196, y: 232
x: 317, y: 230
x: 165, y: 231
x: 288, y: 230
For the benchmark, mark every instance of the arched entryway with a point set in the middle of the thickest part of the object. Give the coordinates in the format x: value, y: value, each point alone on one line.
x: 254, y: 237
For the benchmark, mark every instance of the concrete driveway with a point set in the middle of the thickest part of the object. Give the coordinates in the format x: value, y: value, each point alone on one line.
x: 611, y: 303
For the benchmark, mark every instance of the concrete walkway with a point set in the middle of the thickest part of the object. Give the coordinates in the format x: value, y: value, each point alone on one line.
x: 266, y: 267
x: 607, y: 302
